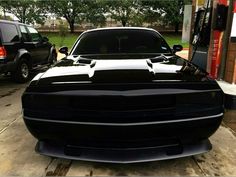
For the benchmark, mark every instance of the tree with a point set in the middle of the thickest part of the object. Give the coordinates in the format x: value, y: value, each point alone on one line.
x: 173, y: 11
x: 27, y: 11
x: 151, y: 17
x: 72, y: 10
x: 124, y: 11
x: 169, y: 12
x: 4, y: 7
x: 95, y: 12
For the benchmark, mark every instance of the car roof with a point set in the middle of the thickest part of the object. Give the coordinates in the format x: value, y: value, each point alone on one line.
x: 121, y: 28
x: 13, y: 22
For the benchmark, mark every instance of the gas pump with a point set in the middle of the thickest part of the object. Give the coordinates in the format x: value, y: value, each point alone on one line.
x: 201, y: 36
x: 205, y: 19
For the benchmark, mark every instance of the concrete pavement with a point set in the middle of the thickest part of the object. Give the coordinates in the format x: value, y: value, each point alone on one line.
x: 183, y: 53
x: 17, y: 155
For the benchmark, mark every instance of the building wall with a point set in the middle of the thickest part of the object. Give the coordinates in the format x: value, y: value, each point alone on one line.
x: 230, y: 69
x: 230, y: 72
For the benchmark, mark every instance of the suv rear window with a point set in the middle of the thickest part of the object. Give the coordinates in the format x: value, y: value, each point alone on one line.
x: 9, y: 33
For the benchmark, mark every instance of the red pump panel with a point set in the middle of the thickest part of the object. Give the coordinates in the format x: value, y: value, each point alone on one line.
x: 217, y: 46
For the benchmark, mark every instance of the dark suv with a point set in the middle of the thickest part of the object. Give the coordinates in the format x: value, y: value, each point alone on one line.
x: 22, y: 49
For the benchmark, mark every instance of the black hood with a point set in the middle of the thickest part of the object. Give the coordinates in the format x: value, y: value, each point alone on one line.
x: 121, y: 70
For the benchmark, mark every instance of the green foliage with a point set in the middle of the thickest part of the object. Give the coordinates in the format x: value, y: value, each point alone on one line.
x: 95, y: 12
x: 27, y: 11
x: 70, y: 10
x: 173, y: 13
x: 125, y: 11
x: 136, y: 12
x: 169, y: 12
x: 3, y: 7
x: 78, y: 11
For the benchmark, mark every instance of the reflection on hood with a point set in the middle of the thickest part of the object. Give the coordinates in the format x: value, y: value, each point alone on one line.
x: 120, y: 70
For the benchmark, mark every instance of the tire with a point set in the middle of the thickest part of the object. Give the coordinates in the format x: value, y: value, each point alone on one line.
x: 22, y: 72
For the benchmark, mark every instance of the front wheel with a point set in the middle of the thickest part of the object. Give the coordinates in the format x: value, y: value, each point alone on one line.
x: 22, y: 72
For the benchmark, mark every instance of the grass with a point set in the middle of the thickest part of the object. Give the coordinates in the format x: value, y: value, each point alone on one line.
x: 70, y: 39
x: 173, y: 39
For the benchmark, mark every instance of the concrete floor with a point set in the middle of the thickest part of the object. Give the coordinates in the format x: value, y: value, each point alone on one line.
x: 17, y: 155
x: 227, y: 87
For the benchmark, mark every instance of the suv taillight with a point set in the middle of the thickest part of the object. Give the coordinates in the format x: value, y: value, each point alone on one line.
x: 3, y: 52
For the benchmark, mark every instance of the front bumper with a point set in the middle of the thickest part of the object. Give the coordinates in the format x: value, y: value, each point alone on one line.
x: 120, y: 155
x: 124, y: 124
x: 123, y: 142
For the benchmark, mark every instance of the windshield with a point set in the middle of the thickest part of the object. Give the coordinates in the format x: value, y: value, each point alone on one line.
x: 118, y: 42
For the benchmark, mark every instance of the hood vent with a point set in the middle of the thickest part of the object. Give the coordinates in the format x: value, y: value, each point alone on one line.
x: 122, y: 76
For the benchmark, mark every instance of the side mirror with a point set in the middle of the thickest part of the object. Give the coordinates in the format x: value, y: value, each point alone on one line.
x: 64, y: 50
x: 177, y: 48
x: 45, y: 39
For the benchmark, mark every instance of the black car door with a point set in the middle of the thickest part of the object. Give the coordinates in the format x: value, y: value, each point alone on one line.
x: 41, y: 49
x: 27, y: 43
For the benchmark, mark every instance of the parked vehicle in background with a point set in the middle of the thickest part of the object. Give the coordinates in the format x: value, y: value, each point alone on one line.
x: 122, y: 95
x: 22, y: 49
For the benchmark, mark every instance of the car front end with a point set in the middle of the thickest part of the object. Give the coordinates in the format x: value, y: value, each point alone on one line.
x: 123, y: 110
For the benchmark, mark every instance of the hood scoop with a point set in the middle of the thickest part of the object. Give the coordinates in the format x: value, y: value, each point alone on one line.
x: 122, y: 71
x: 122, y: 76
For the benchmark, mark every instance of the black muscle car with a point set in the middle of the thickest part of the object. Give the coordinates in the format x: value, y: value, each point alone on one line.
x: 122, y: 95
